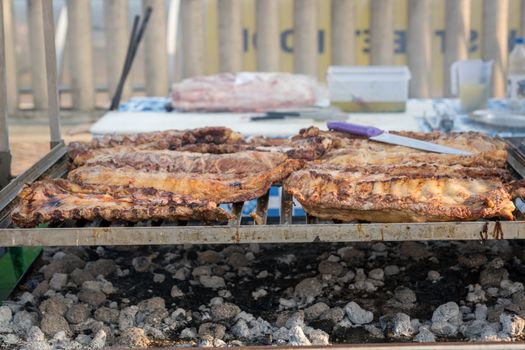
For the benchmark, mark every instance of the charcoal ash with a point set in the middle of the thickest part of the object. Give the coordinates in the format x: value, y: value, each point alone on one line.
x: 89, y: 298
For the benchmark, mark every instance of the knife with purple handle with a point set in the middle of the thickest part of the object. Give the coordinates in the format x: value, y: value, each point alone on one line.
x: 379, y: 135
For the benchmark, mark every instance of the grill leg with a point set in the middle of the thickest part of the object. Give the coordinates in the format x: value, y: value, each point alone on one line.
x: 286, y: 207
x: 5, y: 168
x: 237, y: 212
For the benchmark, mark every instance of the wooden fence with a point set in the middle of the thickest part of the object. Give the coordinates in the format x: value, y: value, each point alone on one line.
x: 229, y: 28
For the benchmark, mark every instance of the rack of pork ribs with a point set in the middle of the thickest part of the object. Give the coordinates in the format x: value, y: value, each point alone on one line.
x: 186, y: 175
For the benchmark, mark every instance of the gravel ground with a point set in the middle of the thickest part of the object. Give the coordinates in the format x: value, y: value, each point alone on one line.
x: 297, y: 294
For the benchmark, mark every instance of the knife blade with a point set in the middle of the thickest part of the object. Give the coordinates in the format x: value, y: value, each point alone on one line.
x: 379, y: 135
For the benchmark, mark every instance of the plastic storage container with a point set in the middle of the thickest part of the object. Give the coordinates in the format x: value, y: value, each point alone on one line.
x: 369, y: 88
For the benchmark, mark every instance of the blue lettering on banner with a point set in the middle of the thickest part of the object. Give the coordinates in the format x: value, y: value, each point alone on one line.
x: 366, y: 34
x: 473, y: 41
x: 512, y: 36
x: 285, y: 44
x: 320, y: 41
x: 400, y: 41
x: 245, y: 39
x: 441, y: 37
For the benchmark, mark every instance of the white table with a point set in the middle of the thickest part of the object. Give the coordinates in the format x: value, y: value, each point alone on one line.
x: 133, y: 122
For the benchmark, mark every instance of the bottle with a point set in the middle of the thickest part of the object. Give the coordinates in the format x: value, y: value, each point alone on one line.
x: 516, y: 75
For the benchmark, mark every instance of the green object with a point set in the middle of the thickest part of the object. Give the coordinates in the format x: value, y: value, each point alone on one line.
x: 13, y: 265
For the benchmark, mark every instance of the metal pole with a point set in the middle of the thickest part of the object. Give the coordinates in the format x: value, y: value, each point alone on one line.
x: 36, y: 46
x: 51, y: 72
x: 10, y: 57
x: 172, y: 41
x: 5, y: 154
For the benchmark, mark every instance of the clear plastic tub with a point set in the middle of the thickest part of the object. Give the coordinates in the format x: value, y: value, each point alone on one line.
x: 368, y: 88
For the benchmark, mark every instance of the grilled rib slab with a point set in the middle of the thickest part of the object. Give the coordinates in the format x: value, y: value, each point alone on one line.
x: 222, y: 178
x: 211, y: 138
x: 348, y: 196
x: 359, y: 179
x: 58, y: 200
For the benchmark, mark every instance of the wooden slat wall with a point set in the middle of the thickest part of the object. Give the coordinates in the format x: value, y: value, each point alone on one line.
x: 267, y: 22
x: 382, y: 32
x: 192, y: 37
x: 419, y: 47
x: 81, y: 54
x: 156, y: 50
x: 229, y: 30
x: 10, y: 58
x: 230, y: 36
x: 36, y: 46
x: 117, y: 37
x: 457, y: 36
x: 495, y: 44
x: 305, y: 36
x: 343, y: 32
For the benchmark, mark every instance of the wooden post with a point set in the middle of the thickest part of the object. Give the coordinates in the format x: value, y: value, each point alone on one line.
x: 192, y: 38
x: 495, y: 42
x: 5, y: 154
x: 10, y: 57
x: 343, y: 36
x: 155, y: 50
x: 267, y: 18
x: 36, y: 47
x: 382, y: 32
x: 419, y: 47
x: 230, y: 36
x: 117, y: 37
x: 457, y: 36
x: 305, y: 30
x: 81, y: 54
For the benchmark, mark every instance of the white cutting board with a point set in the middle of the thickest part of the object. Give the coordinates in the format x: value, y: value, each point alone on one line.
x: 133, y: 122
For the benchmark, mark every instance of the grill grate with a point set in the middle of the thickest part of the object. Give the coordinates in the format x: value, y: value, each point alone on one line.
x: 258, y: 228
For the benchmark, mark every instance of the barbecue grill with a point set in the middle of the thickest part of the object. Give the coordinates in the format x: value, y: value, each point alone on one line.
x: 259, y: 229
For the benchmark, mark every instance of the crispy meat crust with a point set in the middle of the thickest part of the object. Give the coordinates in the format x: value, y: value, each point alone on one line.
x: 348, y: 150
x: 414, y: 168
x: 58, y: 200
x: 516, y: 188
x: 170, y: 139
x: 348, y: 196
x: 223, y: 178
